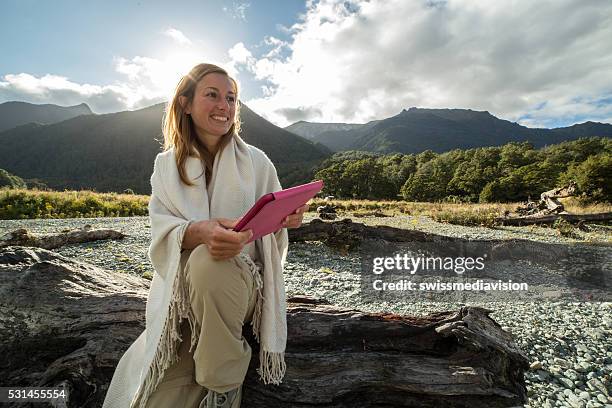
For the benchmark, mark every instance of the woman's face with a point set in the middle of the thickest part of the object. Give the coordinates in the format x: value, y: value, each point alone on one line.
x: 213, y: 107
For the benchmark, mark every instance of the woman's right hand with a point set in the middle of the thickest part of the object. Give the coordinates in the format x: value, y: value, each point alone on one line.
x: 222, y: 242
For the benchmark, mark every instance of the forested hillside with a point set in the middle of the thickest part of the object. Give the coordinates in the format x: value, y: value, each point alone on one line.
x: 511, y: 172
x: 115, y: 152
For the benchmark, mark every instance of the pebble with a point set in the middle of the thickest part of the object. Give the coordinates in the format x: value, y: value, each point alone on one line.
x: 536, y: 365
x: 542, y: 375
x: 572, y: 375
x: 567, y: 383
x: 597, y: 385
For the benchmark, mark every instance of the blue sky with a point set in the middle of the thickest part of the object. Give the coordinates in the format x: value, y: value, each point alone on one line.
x: 80, y: 39
x: 325, y: 61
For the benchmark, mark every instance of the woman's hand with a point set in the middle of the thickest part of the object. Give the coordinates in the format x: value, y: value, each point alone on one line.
x: 222, y: 242
x: 295, y: 220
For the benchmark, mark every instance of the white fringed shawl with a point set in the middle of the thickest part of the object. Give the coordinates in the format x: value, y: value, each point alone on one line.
x: 241, y: 174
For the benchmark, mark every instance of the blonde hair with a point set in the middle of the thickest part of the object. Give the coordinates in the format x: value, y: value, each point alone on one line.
x: 178, y: 126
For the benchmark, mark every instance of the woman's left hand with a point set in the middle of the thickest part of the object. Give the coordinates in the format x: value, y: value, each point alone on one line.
x: 295, y: 220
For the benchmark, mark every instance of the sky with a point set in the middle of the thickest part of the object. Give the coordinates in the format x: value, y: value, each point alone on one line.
x: 545, y: 63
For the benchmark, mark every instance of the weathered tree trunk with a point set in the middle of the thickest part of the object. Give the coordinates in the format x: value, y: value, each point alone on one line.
x: 347, y: 358
x: 549, y: 202
x: 21, y: 237
x: 550, y: 219
x: 551, y: 197
x: 66, y: 324
x: 346, y: 234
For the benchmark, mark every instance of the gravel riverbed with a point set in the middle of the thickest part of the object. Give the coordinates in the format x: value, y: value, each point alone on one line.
x: 569, y: 344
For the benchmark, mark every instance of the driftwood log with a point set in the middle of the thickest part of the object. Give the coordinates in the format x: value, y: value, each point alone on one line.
x: 550, y: 219
x: 551, y: 197
x: 347, y: 358
x: 549, y: 202
x: 346, y: 234
x: 549, y: 209
x: 21, y: 237
x: 66, y: 324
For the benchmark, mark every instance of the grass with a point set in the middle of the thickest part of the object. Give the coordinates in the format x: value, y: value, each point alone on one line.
x: 452, y: 213
x: 23, y: 204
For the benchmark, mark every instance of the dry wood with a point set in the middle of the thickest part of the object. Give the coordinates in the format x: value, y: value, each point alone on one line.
x: 549, y: 202
x: 551, y: 197
x: 21, y: 237
x: 346, y: 234
x: 348, y: 358
x: 65, y: 323
x: 551, y: 218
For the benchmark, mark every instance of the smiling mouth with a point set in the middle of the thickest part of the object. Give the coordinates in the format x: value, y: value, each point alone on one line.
x: 220, y: 118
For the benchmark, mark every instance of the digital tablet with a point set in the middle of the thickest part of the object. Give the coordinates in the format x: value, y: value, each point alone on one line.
x: 270, y: 210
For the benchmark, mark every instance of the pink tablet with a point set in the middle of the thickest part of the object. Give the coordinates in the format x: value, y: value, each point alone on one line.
x: 268, y: 213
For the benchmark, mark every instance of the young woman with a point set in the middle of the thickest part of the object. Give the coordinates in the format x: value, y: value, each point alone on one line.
x: 209, y: 280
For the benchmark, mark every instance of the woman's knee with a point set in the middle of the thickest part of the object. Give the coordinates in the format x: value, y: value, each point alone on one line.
x: 204, y: 272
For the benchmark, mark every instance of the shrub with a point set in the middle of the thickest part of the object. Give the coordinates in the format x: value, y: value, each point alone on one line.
x: 21, y: 203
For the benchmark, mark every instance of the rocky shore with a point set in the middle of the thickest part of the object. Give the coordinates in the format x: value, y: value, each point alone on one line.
x: 569, y: 343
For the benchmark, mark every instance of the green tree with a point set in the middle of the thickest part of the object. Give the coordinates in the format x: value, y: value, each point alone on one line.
x: 428, y: 183
x: 334, y: 180
x: 396, y: 169
x: 425, y: 156
x: 515, y: 155
x: 10, y: 180
x: 593, y: 178
x: 526, y: 181
x: 471, y: 176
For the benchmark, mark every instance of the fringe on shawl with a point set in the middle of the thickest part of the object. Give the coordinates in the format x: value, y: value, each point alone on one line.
x: 272, y: 365
x: 256, y: 272
x: 167, y: 348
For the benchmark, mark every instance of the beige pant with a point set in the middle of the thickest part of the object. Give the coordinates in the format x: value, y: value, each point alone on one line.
x: 223, y: 296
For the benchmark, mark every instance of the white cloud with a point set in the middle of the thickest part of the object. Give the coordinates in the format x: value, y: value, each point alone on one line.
x: 147, y: 81
x: 62, y: 91
x: 240, y: 55
x: 237, y: 10
x: 537, y: 62
x: 143, y: 81
x: 277, y: 46
x: 540, y: 63
x: 177, y: 36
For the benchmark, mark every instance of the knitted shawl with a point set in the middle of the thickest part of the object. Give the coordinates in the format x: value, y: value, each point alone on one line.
x: 241, y: 174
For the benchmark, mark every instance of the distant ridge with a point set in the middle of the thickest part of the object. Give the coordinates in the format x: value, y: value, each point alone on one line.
x: 416, y: 129
x: 115, y: 151
x: 13, y: 114
x: 312, y: 129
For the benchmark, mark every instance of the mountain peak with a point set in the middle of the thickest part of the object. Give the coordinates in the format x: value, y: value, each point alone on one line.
x: 16, y: 113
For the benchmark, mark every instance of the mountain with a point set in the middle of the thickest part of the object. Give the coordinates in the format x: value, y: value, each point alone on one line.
x: 311, y: 130
x: 13, y: 114
x: 333, y: 135
x: 415, y: 130
x: 291, y: 154
x: 578, y: 130
x: 115, y: 151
